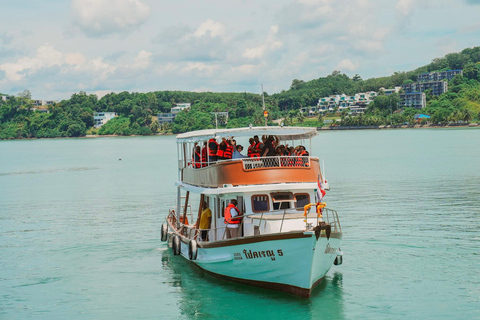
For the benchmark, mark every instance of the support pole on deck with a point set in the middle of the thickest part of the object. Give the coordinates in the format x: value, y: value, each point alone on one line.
x: 185, y: 207
x: 200, y: 209
x: 179, y: 198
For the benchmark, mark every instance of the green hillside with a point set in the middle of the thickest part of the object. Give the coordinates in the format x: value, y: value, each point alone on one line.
x: 137, y: 111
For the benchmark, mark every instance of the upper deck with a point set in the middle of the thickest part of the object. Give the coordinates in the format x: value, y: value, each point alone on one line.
x: 247, y: 171
x: 254, y: 171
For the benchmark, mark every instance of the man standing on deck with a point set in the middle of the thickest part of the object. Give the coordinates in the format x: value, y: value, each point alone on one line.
x: 232, y: 219
x: 205, y: 222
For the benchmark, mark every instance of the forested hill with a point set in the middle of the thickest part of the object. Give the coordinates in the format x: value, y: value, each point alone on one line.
x: 137, y: 111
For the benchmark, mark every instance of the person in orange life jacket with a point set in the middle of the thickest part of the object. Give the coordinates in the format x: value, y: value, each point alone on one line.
x: 197, y: 158
x: 232, y: 219
x: 212, y: 150
x: 229, y: 149
x: 302, y: 153
x: 204, y: 154
x: 251, y: 148
x: 221, y: 149
x: 258, y: 145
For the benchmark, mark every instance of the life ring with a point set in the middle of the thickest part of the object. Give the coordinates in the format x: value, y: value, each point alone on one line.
x: 176, y: 245
x: 164, y: 232
x: 192, y: 250
x: 319, y: 206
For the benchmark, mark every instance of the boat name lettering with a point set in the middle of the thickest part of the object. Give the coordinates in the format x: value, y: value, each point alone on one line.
x: 330, y: 250
x: 261, y: 254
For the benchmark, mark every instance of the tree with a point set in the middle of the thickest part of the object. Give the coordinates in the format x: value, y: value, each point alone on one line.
x: 25, y: 94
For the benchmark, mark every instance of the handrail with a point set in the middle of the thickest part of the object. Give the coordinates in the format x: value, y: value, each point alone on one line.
x: 262, y: 162
x: 331, y: 216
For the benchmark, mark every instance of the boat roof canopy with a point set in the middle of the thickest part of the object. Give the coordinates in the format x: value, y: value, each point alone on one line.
x: 285, y: 133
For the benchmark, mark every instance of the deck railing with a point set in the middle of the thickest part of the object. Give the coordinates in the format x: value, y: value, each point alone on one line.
x: 276, y: 162
x: 328, y: 215
x: 263, y: 162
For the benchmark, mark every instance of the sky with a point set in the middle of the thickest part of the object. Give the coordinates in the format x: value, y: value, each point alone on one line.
x: 55, y: 48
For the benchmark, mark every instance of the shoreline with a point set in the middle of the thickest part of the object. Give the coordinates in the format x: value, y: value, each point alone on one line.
x: 403, y: 126
x: 416, y: 126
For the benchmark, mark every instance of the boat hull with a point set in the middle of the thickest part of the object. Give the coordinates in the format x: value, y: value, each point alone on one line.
x: 293, y: 262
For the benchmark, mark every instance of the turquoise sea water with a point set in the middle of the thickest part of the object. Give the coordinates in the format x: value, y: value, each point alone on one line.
x: 80, y: 228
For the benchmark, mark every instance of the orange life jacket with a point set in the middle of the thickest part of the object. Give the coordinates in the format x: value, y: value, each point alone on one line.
x: 252, y: 151
x: 228, y: 152
x: 204, y: 157
x: 228, y: 215
x: 196, y: 160
x: 221, y: 150
x: 212, y: 152
x: 299, y: 162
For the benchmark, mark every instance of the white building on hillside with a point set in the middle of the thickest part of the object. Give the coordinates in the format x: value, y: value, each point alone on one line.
x: 356, y: 103
x: 100, y: 118
x: 170, y: 116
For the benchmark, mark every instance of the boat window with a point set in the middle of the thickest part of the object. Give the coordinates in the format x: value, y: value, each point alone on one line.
x: 282, y: 200
x: 260, y: 203
x: 302, y: 200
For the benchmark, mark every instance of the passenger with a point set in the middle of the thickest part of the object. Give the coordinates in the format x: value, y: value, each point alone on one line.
x: 204, y: 154
x: 197, y: 157
x: 303, y: 152
x: 252, y: 151
x: 232, y: 219
x: 237, y: 153
x: 205, y: 221
x: 258, y: 145
x: 221, y: 149
x: 291, y: 151
x: 212, y: 150
x: 278, y: 151
x: 228, y: 153
x: 268, y: 149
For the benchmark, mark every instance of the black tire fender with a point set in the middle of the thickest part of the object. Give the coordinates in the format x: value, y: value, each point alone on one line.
x: 164, y: 232
x: 192, y: 250
x: 176, y: 245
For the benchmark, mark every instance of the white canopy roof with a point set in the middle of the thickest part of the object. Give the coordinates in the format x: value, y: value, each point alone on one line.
x: 285, y: 133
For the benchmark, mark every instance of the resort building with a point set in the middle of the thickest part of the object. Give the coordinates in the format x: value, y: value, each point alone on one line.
x: 100, y: 118
x: 390, y: 91
x: 415, y: 100
x: 6, y: 98
x: 38, y: 103
x: 170, y: 116
x: 438, y: 76
x: 355, y: 104
x: 437, y: 87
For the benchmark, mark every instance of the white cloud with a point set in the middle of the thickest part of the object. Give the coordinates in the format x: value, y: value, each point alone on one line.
x: 346, y: 65
x: 99, y: 17
x: 142, y: 60
x: 46, y: 56
x: 271, y: 44
x: 210, y: 27
x: 75, y: 59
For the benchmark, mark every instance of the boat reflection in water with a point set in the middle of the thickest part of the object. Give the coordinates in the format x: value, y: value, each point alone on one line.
x: 287, y: 238
x: 214, y: 298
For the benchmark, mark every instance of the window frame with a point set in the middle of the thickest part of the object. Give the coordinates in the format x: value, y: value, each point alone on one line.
x: 301, y: 193
x: 260, y: 195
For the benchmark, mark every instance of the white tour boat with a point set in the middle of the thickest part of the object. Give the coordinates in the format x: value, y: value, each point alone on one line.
x: 287, y: 240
